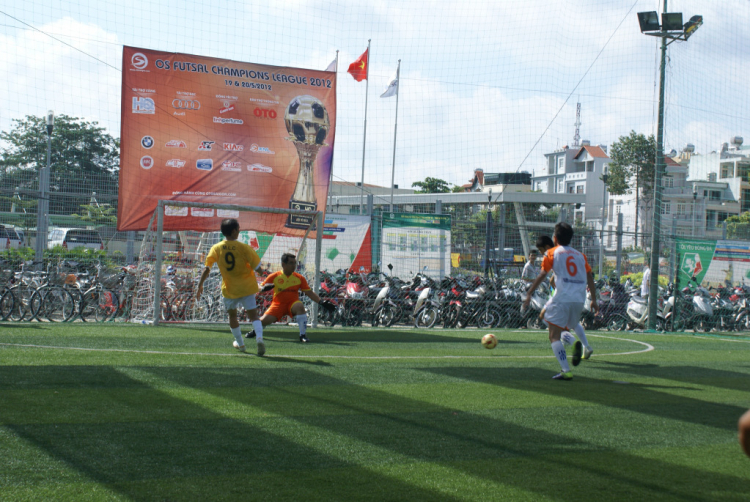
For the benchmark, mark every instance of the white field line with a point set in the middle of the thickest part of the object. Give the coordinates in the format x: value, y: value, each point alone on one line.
x: 298, y: 356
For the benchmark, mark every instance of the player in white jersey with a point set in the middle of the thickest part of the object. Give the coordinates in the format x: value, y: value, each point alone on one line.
x: 572, y: 275
x: 582, y: 349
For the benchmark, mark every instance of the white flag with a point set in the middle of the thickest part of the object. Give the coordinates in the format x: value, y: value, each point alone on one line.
x: 392, y: 88
x: 332, y: 66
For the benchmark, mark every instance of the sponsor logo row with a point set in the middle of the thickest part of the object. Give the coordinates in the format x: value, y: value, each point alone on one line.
x: 148, y: 142
x: 182, y: 105
x: 200, y: 212
x: 147, y: 162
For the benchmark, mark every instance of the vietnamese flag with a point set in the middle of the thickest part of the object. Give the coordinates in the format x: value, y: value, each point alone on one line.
x: 358, y: 69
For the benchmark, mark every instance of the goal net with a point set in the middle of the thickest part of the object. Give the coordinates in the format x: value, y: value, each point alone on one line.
x: 170, y: 263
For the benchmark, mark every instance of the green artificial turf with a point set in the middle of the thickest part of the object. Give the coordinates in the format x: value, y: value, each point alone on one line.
x: 112, y: 412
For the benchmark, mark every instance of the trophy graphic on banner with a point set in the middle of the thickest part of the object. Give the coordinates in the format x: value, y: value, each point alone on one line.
x: 306, y: 120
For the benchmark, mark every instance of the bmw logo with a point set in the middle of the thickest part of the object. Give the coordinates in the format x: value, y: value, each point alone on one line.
x: 147, y: 142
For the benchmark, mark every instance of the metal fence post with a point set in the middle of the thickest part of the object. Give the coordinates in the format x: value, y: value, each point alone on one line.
x: 724, y: 230
x: 441, y: 242
x: 619, y: 246
x: 129, y: 258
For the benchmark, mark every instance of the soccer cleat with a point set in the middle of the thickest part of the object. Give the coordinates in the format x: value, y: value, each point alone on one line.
x: 577, y: 353
x: 563, y: 376
x: 303, y: 339
x: 250, y: 334
x: 587, y: 351
x: 261, y: 348
x: 237, y: 346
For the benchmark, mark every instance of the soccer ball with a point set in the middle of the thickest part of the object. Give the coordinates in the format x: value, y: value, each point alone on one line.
x: 489, y: 341
x: 567, y: 338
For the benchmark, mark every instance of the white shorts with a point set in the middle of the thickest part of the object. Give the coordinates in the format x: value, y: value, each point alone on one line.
x: 564, y: 315
x: 246, y: 301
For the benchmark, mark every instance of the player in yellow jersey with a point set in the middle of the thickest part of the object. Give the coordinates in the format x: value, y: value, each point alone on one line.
x: 287, y: 286
x: 237, y: 263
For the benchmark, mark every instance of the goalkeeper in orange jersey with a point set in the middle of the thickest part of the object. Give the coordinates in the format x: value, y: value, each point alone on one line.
x: 237, y: 263
x: 287, y: 286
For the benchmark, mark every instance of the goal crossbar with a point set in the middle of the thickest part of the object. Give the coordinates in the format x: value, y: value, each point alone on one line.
x: 317, y: 221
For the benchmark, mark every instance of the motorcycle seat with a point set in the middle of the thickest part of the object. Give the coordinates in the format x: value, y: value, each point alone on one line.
x: 473, y: 295
x: 639, y: 299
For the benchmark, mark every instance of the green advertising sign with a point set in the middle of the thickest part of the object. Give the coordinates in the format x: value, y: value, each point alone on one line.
x: 433, y: 221
x: 695, y: 258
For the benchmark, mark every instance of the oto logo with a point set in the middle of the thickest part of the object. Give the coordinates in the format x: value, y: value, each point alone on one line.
x: 263, y: 113
x: 186, y: 104
x: 139, y: 61
x: 206, y: 146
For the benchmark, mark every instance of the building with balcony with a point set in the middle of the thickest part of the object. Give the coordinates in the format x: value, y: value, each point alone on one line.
x: 576, y: 170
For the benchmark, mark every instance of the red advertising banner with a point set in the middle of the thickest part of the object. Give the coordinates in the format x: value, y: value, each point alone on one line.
x: 210, y: 130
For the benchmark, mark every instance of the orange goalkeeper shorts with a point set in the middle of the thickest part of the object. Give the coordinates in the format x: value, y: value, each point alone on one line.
x: 280, y: 309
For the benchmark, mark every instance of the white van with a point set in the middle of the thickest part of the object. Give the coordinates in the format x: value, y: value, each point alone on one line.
x: 10, y: 238
x: 71, y: 238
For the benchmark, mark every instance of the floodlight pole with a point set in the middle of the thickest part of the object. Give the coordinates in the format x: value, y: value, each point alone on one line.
x: 42, y: 207
x: 656, y: 221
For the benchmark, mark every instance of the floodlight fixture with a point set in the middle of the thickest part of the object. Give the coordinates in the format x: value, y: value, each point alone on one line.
x: 649, y: 21
x: 671, y: 21
x: 693, y: 24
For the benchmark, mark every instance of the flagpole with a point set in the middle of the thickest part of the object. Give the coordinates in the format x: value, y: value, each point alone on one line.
x: 395, y: 128
x: 364, y: 137
x: 330, y: 175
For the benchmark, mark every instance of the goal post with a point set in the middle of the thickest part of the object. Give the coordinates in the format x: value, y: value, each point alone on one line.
x: 154, y: 294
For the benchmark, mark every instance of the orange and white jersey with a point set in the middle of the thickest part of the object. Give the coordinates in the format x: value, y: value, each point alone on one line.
x: 570, y: 268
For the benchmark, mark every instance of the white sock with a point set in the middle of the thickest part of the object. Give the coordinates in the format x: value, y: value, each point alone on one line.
x: 562, y: 358
x: 302, y: 320
x: 258, y: 327
x: 581, y: 335
x: 238, y: 336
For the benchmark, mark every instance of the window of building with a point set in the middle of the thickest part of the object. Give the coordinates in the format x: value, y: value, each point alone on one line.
x: 715, y: 195
x: 579, y: 189
x: 745, y: 200
x: 668, y: 182
x: 570, y: 188
x: 560, y: 165
x: 680, y: 208
x: 721, y: 216
x: 561, y: 186
x: 726, y: 171
x: 611, y: 211
x: 666, y: 208
x: 681, y: 232
x: 710, y: 219
x: 743, y: 171
x: 590, y: 166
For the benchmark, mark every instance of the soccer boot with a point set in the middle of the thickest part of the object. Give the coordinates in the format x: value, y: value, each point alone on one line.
x: 563, y: 376
x: 303, y: 339
x: 577, y: 353
x: 587, y: 351
x: 237, y: 346
x: 250, y: 334
x: 261, y: 348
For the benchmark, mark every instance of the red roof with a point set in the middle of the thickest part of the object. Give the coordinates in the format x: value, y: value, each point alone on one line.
x: 594, y: 151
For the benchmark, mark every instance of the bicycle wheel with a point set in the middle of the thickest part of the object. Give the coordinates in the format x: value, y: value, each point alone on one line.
x: 58, y: 305
x: 7, y: 301
x: 21, y: 302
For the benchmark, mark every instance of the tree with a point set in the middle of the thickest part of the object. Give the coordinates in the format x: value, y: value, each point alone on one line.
x: 85, y: 159
x: 432, y: 185
x: 103, y: 214
x: 633, y: 158
x: 738, y: 226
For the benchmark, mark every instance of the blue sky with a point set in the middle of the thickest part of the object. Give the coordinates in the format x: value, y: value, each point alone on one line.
x: 482, y: 82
